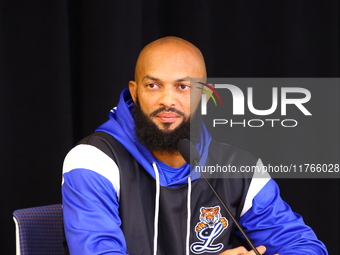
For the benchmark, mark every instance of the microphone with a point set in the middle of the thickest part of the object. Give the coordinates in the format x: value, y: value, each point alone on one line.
x: 192, y: 157
x: 188, y: 152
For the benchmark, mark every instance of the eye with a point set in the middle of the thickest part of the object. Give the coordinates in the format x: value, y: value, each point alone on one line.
x: 152, y: 85
x: 184, y: 86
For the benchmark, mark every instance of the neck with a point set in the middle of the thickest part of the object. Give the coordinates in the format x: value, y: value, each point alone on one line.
x: 171, y: 159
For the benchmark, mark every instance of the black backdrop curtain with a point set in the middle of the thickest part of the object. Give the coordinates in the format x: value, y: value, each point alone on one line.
x: 63, y: 64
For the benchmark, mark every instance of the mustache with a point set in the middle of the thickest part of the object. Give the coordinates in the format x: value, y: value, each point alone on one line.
x: 167, y: 109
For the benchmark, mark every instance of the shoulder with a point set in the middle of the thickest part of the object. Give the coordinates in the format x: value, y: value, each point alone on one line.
x: 231, y: 153
x: 88, y: 160
x: 94, y: 152
x: 86, y: 156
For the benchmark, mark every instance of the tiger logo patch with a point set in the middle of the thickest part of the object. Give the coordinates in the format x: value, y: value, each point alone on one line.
x: 210, y: 226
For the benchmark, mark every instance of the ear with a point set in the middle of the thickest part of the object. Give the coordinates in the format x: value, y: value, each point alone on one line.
x: 212, y: 86
x: 205, y: 89
x: 217, y: 208
x: 133, y: 90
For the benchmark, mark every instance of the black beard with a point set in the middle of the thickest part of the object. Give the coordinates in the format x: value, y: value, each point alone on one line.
x: 164, y: 141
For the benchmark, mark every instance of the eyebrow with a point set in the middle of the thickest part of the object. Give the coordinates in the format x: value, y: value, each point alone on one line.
x: 187, y: 78
x: 150, y: 78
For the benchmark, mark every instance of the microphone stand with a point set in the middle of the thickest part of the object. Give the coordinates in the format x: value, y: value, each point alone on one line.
x: 228, y: 211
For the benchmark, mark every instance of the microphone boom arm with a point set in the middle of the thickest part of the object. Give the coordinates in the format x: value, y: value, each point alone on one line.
x: 229, y: 212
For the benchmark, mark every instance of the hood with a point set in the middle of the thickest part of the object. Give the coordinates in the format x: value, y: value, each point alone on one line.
x: 121, y: 126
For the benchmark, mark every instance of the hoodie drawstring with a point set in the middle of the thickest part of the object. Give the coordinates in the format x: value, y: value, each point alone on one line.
x: 158, y: 190
x: 188, y: 215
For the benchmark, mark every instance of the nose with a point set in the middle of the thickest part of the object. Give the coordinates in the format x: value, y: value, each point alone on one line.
x: 168, y: 97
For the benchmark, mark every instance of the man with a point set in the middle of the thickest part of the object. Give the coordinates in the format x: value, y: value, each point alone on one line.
x: 137, y: 196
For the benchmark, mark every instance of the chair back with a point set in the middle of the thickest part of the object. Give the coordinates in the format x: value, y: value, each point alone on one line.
x: 39, y: 230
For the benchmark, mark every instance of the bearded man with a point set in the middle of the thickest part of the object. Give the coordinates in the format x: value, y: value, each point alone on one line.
x: 127, y: 190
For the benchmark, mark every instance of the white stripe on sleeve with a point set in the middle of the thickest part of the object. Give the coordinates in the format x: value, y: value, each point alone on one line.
x: 258, y: 181
x: 85, y: 156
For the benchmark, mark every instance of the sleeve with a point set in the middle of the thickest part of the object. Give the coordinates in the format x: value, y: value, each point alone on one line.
x: 270, y: 221
x: 90, y: 195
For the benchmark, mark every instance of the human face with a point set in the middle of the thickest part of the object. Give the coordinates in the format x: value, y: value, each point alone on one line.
x: 167, y: 104
x: 163, y: 81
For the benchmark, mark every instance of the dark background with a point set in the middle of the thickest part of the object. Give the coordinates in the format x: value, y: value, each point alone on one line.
x: 63, y: 64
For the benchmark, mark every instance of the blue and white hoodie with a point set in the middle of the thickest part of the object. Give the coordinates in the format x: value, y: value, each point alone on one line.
x: 135, y: 204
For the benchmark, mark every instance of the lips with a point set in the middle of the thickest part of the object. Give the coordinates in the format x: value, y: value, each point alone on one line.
x: 167, y: 116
